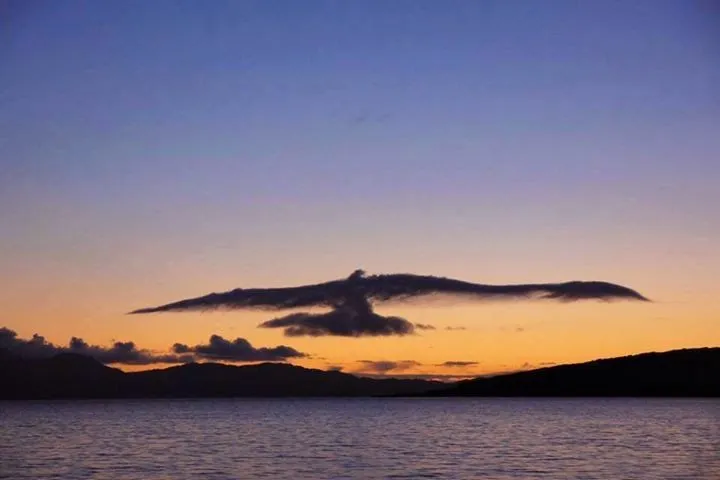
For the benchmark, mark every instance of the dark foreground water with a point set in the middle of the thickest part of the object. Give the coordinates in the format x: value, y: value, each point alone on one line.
x: 361, y: 439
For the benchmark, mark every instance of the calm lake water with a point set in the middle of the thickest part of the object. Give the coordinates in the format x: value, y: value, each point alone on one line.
x: 361, y: 439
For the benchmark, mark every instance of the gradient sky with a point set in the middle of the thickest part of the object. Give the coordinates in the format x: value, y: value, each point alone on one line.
x: 152, y: 151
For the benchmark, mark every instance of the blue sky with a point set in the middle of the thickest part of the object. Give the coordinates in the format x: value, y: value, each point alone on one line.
x: 281, y: 142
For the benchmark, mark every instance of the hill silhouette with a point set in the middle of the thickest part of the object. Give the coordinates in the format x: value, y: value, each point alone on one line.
x: 62, y: 376
x: 688, y: 372
x: 70, y: 375
x: 677, y: 373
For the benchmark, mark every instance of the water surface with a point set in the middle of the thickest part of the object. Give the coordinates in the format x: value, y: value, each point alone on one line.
x: 361, y: 439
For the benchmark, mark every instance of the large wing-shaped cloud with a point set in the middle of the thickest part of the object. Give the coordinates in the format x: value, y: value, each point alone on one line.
x: 351, y: 301
x: 322, y: 294
x: 381, y: 288
x: 399, y: 286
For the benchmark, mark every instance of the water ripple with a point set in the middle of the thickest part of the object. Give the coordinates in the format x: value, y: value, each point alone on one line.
x: 494, y: 439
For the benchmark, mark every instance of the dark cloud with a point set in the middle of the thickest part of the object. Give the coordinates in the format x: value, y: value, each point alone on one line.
x: 455, y: 328
x: 128, y: 353
x: 181, y: 348
x: 360, y: 289
x: 424, y: 326
x: 35, y: 347
x: 335, y: 368
x: 383, y: 366
x: 351, y: 301
x: 343, y: 322
x: 123, y: 352
x: 238, y: 350
x: 119, y: 352
x: 455, y: 363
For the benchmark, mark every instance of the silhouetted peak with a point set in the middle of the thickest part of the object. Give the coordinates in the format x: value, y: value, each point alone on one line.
x: 75, y: 358
x: 77, y: 361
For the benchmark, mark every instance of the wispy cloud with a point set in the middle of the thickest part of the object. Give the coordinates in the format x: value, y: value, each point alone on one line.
x: 424, y: 326
x: 440, y: 377
x: 457, y: 363
x: 383, y: 366
x: 527, y: 366
x: 399, y: 369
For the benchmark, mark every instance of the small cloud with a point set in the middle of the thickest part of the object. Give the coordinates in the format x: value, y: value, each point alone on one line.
x: 383, y: 366
x: 439, y: 377
x: 238, y: 350
x: 335, y: 368
x: 424, y: 326
x: 533, y: 366
x: 457, y: 363
x: 181, y: 348
x: 456, y: 328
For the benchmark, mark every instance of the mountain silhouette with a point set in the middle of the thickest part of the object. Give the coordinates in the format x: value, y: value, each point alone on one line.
x: 70, y: 375
x: 688, y: 372
x: 266, y: 380
x: 677, y: 373
x: 65, y: 375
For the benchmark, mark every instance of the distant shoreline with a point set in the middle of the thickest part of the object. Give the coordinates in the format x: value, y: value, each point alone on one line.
x: 687, y: 373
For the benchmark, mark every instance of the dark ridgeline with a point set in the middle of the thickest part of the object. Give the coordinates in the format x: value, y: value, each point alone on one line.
x: 678, y: 373
x: 689, y: 372
x: 70, y: 375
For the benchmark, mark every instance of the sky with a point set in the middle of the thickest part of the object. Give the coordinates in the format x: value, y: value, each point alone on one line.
x: 154, y: 151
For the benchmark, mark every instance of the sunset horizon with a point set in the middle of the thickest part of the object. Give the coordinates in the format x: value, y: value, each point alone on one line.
x: 303, y: 240
x: 129, y: 355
